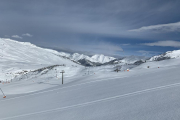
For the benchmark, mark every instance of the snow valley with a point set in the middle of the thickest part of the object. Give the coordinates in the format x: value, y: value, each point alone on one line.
x: 31, y: 81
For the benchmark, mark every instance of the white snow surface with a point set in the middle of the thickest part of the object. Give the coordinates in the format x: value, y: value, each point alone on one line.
x: 17, y: 57
x: 140, y: 94
x: 169, y: 54
x: 94, y: 93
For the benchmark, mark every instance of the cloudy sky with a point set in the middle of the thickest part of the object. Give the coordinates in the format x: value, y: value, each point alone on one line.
x: 111, y: 27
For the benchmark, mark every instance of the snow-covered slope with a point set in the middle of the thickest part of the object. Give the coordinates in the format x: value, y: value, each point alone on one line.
x: 140, y: 94
x: 167, y: 55
x: 95, y: 93
x: 16, y: 57
x: 26, y: 52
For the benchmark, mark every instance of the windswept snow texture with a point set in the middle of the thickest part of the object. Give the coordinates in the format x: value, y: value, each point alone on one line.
x: 92, y: 94
x: 167, y: 55
x: 150, y: 91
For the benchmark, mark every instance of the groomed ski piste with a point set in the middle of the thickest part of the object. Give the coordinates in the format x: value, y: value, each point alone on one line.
x: 34, y: 90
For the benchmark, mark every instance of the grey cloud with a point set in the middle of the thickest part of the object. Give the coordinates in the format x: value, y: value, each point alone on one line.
x: 91, y: 48
x: 27, y: 34
x: 100, y: 48
x: 93, y: 17
x: 6, y: 36
x: 16, y: 36
x: 108, y: 47
x: 62, y: 22
x: 148, y: 53
x: 125, y: 44
x: 171, y: 27
x: 167, y: 43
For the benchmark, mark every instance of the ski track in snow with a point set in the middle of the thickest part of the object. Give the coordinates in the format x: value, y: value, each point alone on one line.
x: 97, y: 101
x: 112, y: 78
x: 21, y: 56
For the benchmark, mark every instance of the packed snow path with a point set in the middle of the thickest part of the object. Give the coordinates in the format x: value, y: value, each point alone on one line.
x: 136, y: 95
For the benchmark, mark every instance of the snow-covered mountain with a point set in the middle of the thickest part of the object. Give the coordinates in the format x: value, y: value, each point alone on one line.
x: 102, y: 59
x: 144, y: 92
x: 130, y: 60
x: 77, y: 57
x: 138, y: 94
x: 15, y: 51
x: 167, y: 55
x: 93, y: 60
x: 18, y: 57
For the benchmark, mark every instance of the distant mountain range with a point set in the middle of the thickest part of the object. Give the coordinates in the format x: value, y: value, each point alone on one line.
x: 100, y: 59
x: 97, y: 59
x: 166, y: 55
x: 13, y: 51
x: 22, y: 58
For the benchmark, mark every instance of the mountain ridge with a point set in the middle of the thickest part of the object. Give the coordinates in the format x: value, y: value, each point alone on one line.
x: 166, y: 55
